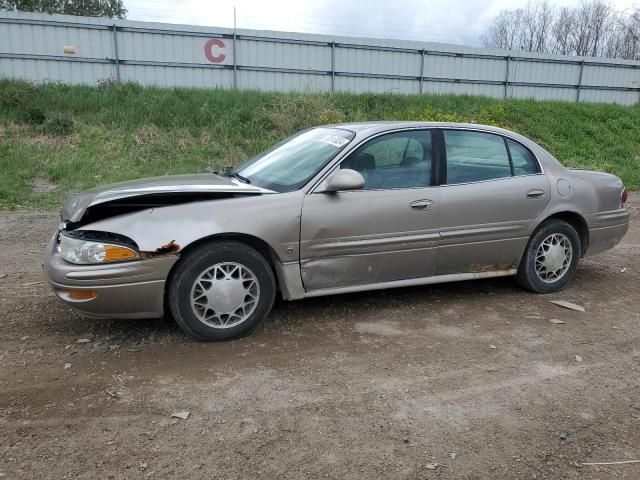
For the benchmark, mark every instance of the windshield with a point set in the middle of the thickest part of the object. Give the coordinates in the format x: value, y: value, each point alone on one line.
x: 293, y: 162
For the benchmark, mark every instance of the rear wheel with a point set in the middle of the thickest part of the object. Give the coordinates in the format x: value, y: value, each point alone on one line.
x: 221, y: 290
x: 551, y: 258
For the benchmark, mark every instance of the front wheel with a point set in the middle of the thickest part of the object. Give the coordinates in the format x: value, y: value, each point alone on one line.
x: 551, y: 258
x: 221, y: 290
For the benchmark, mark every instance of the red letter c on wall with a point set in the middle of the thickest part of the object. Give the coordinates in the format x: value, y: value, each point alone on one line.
x: 209, y: 48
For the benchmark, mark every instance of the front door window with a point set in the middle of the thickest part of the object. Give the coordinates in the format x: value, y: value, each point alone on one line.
x: 396, y: 160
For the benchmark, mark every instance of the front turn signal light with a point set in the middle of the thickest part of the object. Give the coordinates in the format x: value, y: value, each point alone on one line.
x: 116, y: 253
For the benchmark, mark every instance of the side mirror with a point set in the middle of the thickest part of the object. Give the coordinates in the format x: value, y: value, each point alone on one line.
x: 344, y: 179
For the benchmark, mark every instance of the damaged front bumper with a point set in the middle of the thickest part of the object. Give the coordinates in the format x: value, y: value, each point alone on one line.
x: 133, y: 289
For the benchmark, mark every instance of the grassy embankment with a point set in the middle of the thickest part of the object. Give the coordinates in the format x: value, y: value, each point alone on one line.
x: 55, y: 138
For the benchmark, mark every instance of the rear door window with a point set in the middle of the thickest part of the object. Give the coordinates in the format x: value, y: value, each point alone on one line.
x: 475, y: 157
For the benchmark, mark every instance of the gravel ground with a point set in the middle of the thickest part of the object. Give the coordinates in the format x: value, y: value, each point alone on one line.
x: 469, y: 380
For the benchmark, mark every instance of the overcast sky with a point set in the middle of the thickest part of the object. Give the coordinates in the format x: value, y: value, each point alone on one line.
x: 449, y: 21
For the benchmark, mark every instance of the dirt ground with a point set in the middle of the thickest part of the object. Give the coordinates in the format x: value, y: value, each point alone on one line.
x: 469, y: 380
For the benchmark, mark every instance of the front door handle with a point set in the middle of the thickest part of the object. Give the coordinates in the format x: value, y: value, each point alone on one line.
x: 535, y: 193
x: 424, y: 204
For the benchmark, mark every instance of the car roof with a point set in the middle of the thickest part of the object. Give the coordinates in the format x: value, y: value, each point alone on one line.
x: 381, y: 126
x: 365, y: 129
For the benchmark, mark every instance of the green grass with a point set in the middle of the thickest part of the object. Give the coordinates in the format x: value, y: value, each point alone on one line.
x: 56, y: 138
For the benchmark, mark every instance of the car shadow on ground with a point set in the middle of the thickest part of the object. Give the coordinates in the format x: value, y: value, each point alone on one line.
x: 303, y: 314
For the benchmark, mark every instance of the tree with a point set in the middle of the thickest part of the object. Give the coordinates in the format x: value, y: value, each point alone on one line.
x: 561, y: 32
x: 592, y: 28
x: 536, y: 19
x: 523, y: 29
x: 505, y: 31
x: 593, y: 21
x: 626, y: 42
x: 89, y: 8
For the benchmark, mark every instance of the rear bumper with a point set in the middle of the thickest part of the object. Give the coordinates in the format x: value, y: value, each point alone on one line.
x: 123, y: 290
x: 606, y: 229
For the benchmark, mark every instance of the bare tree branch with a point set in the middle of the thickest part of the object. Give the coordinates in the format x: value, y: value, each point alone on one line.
x: 592, y: 28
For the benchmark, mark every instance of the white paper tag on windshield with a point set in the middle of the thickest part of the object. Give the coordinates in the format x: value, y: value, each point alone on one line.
x: 334, y: 140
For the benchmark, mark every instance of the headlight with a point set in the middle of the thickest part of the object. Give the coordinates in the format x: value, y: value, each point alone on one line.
x: 85, y: 252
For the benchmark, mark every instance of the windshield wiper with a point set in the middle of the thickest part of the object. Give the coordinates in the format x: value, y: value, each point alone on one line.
x: 238, y: 176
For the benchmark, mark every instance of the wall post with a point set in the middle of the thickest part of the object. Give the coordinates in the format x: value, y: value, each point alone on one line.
x: 422, y: 70
x: 234, y: 44
x: 116, y: 55
x: 579, y: 86
x: 506, y: 78
x: 333, y: 66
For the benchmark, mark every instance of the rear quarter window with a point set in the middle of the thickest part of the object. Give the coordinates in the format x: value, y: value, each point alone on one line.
x: 523, y: 161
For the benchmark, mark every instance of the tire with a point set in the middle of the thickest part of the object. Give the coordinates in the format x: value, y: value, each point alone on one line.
x: 536, y: 271
x: 221, y: 290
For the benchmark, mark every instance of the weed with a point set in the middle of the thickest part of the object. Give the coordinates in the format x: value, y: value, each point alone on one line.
x: 492, y: 115
x: 431, y: 114
x: 34, y: 115
x: 16, y: 94
x: 57, y: 124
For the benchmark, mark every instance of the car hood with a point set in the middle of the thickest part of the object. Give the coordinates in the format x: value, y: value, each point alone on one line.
x: 206, y: 183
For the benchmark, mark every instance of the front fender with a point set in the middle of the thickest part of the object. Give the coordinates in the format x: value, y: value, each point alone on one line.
x: 275, y: 219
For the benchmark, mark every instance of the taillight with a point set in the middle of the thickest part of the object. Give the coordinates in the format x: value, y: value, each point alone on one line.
x: 623, y: 196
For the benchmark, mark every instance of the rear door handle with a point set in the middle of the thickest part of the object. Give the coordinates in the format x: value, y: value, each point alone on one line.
x: 424, y: 204
x: 535, y: 193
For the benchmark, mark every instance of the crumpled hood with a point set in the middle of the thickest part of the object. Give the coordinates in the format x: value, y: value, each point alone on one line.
x: 75, y: 207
